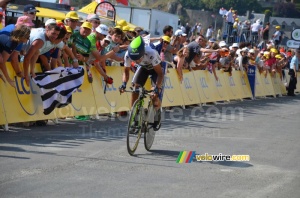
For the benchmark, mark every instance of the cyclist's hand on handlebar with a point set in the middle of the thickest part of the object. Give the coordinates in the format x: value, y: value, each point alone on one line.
x: 122, y: 87
x: 156, y: 91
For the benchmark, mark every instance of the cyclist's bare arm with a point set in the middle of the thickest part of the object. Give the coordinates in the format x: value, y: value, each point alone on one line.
x: 126, y: 74
x: 160, y: 75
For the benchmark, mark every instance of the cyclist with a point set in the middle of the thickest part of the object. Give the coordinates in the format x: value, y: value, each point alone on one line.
x: 149, y: 63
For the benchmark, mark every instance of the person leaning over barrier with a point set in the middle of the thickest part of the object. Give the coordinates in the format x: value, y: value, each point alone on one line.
x: 7, y: 45
x: 81, y: 45
x: 53, y: 55
x: 14, y: 57
x: 115, y: 36
x: 195, y: 49
x: 95, y: 57
x: 180, y: 61
x: 36, y: 44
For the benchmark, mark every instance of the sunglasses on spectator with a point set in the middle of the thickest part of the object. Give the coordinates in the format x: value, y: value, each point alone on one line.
x: 166, y: 42
x: 73, y: 20
x: 32, y: 13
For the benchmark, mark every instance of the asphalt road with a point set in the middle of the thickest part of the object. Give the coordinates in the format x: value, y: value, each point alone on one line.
x: 89, y: 158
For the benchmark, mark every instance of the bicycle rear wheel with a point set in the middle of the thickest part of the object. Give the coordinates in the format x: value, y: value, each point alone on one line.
x: 149, y: 131
x: 134, y: 127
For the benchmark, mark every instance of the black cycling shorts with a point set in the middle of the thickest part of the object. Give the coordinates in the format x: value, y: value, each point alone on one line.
x: 141, y: 75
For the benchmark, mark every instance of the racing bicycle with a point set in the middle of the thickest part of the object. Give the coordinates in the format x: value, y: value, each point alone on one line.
x: 142, y: 120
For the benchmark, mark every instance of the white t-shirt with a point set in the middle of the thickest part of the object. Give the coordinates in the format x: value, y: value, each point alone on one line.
x: 39, y: 34
x: 199, y: 28
x: 277, y: 34
x: 150, y: 59
x: 255, y: 27
x: 209, y: 32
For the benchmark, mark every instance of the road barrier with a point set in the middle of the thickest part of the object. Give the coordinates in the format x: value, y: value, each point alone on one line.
x: 23, y: 103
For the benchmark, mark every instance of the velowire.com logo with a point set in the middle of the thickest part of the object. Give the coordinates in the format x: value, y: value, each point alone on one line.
x: 189, y: 156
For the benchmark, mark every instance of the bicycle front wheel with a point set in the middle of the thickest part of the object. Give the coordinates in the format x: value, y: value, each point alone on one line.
x: 149, y: 131
x: 134, y: 127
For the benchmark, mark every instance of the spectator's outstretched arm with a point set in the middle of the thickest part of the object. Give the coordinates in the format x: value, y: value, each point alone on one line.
x: 3, y: 58
x: 15, y: 63
x: 34, y: 49
x: 70, y: 54
x: 45, y: 62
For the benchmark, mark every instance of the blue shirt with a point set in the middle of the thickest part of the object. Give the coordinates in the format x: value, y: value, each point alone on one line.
x: 7, y: 31
x: 6, y: 44
x: 294, y: 61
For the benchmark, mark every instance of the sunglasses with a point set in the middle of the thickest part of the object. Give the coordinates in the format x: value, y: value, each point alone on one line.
x: 166, y: 42
x: 73, y: 20
x: 32, y: 13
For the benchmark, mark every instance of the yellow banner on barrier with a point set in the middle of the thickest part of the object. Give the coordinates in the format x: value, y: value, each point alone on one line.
x: 205, y: 85
x: 110, y: 101
x: 233, y: 85
x: 267, y: 84
x: 172, y: 95
x: 276, y: 81
x: 83, y: 101
x: 23, y: 103
x: 259, y: 88
x: 2, y: 113
x: 189, y: 88
x: 244, y: 84
x: 220, y: 91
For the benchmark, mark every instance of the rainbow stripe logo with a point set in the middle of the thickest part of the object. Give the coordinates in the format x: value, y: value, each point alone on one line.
x: 185, y: 157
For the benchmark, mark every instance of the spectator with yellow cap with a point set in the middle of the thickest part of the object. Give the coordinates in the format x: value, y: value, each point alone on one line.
x: 131, y: 32
x: 277, y: 36
x: 161, y: 45
x: 71, y: 20
x: 125, y: 28
x: 80, y: 44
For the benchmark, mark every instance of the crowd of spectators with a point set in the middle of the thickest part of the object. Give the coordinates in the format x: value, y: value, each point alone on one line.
x: 76, y: 41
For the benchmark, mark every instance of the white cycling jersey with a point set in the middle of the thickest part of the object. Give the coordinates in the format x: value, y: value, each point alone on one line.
x: 150, y: 59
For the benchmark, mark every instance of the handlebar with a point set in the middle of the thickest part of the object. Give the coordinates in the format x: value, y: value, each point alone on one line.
x: 141, y: 91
